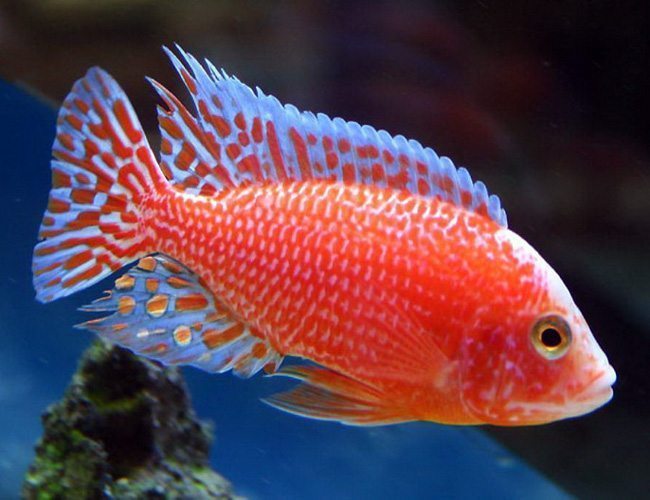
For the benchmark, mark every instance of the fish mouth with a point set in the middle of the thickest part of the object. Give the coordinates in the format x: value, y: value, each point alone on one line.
x: 597, y: 393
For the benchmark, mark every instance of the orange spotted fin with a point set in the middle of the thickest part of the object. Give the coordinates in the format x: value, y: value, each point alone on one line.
x: 163, y: 311
x: 327, y: 395
x: 102, y: 168
x: 237, y: 137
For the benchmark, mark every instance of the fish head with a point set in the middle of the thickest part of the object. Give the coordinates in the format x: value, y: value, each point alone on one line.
x: 531, y: 357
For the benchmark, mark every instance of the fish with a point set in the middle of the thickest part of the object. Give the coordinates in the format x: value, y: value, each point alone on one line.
x: 387, y: 275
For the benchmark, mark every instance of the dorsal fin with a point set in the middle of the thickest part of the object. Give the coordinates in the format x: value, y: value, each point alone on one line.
x: 163, y: 311
x: 239, y: 136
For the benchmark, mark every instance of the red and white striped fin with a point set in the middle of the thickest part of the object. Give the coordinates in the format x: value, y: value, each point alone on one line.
x: 163, y: 312
x: 102, y: 168
x: 189, y: 155
x: 254, y: 138
x: 328, y: 395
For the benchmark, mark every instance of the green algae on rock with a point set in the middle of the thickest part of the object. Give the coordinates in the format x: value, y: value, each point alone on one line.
x: 124, y: 429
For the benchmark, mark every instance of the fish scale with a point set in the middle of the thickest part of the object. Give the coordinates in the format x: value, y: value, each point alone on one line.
x: 361, y: 225
x: 265, y: 232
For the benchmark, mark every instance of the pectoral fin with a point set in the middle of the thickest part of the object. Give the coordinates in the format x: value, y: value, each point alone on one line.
x: 327, y: 395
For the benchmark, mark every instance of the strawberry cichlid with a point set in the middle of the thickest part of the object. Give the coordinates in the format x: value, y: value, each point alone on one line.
x: 265, y: 232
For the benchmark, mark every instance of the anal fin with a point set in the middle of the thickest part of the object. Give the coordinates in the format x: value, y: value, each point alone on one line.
x: 163, y: 311
x: 327, y: 395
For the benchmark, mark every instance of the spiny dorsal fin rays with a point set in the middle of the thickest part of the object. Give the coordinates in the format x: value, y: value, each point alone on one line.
x: 187, y: 151
x: 162, y: 311
x: 259, y: 139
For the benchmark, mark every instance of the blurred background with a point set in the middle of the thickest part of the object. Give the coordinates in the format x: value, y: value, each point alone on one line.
x: 547, y: 102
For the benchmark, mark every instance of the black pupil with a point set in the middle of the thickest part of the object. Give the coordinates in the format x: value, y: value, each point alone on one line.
x: 551, y: 337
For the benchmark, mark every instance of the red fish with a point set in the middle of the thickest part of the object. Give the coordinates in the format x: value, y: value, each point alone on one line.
x: 265, y: 232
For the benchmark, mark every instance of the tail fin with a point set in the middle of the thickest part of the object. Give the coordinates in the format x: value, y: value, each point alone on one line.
x: 102, y: 171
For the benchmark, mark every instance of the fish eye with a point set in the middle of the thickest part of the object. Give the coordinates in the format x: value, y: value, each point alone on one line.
x: 551, y: 336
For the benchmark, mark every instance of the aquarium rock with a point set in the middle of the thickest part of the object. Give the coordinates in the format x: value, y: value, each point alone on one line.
x: 124, y: 429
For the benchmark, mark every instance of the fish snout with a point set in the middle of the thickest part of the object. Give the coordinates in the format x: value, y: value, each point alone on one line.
x: 599, y: 391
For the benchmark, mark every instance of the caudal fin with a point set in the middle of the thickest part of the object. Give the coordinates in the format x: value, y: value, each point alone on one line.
x: 102, y: 170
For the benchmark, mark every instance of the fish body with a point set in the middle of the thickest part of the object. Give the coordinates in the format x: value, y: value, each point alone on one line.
x: 352, y: 278
x: 264, y: 233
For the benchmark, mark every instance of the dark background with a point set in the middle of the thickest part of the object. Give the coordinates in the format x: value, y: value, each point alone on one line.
x: 547, y: 102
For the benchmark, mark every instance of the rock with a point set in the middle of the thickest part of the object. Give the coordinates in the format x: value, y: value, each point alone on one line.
x: 124, y: 429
